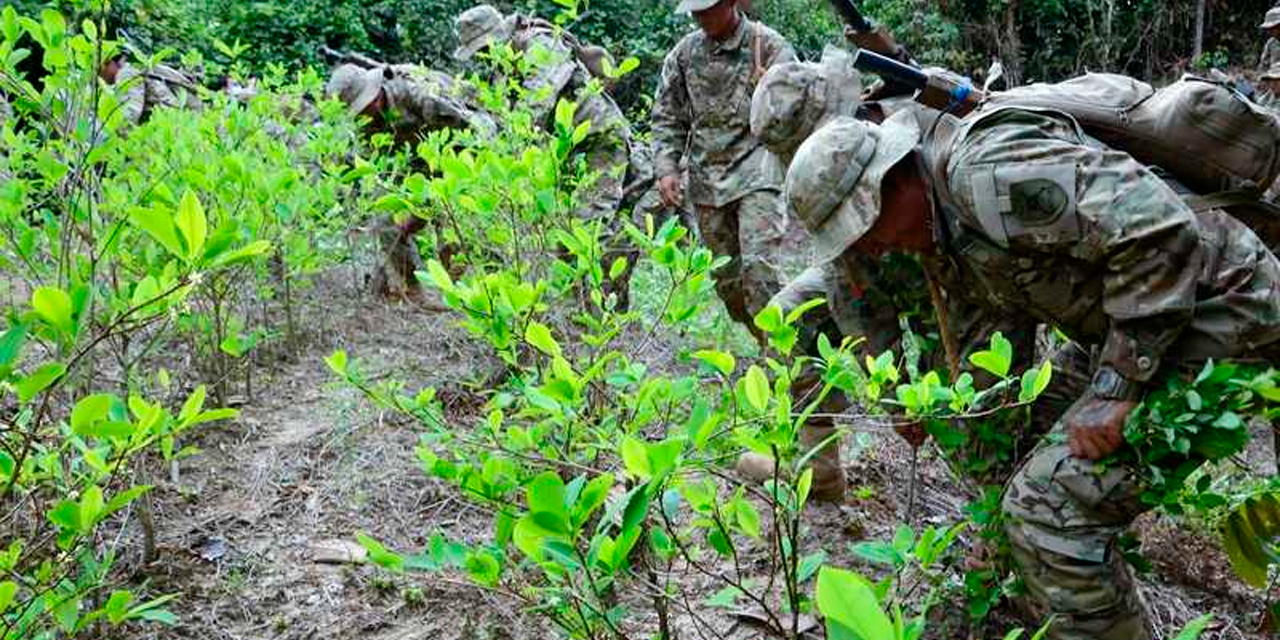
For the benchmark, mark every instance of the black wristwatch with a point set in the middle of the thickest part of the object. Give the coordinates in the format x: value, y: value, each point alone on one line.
x: 1108, y: 383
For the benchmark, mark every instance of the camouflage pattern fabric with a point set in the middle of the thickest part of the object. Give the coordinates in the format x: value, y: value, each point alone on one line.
x: 1042, y: 210
x: 422, y: 100
x: 747, y: 230
x: 1040, y: 224
x: 642, y: 194
x: 793, y: 99
x: 418, y: 101
x: 1270, y: 54
x: 703, y: 104
x: 1051, y: 225
x: 152, y: 88
x: 606, y: 149
x: 566, y: 77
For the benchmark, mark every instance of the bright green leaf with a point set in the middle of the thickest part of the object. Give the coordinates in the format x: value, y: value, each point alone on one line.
x: 719, y: 360
x: 539, y: 335
x: 7, y: 591
x: 847, y: 599
x: 53, y: 305
x: 30, y: 386
x: 192, y: 224
x: 756, y: 387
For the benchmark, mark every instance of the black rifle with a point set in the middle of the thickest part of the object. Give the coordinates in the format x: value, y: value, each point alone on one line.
x: 348, y: 57
x: 932, y: 90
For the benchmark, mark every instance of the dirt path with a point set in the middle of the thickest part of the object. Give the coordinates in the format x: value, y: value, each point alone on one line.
x: 309, y: 464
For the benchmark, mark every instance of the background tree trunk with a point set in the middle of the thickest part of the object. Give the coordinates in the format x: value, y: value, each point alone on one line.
x: 1012, y: 46
x: 1198, y: 47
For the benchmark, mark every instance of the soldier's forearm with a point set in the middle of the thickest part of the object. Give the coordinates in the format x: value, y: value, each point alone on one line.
x: 668, y: 149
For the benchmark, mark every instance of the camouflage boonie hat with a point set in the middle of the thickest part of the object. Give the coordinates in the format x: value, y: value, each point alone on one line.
x: 356, y: 86
x: 1272, y: 19
x: 834, y: 182
x: 691, y: 6
x: 477, y: 27
x: 1271, y: 74
x: 794, y: 98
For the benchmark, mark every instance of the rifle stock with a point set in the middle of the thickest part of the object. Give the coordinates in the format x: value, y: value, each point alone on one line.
x: 866, y: 35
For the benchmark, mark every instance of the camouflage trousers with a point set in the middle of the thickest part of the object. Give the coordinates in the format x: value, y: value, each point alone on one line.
x: 1064, y: 517
x: 607, y: 157
x: 749, y: 231
x: 395, y: 277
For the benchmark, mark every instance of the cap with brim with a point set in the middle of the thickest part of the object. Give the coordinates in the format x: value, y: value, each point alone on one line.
x: 691, y: 6
x: 370, y: 86
x: 1271, y: 74
x: 833, y: 184
x: 1272, y: 19
x: 794, y: 98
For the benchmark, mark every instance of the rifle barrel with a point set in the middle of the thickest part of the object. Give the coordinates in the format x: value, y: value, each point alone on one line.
x: 890, y: 69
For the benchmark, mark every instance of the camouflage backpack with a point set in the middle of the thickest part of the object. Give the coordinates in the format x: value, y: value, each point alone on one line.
x: 591, y: 57
x: 1203, y: 132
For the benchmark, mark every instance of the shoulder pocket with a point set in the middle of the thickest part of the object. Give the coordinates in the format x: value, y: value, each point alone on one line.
x: 1032, y: 203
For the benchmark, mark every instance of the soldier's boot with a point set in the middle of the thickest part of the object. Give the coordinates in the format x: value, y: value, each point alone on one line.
x: 829, y: 482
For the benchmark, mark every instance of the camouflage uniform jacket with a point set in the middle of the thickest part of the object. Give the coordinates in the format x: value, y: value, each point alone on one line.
x: 703, y: 105
x: 563, y: 76
x: 1040, y: 222
x: 422, y: 100
x: 158, y: 86
x: 1270, y: 55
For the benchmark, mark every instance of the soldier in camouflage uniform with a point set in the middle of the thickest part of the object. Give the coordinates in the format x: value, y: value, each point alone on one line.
x: 408, y: 102
x: 1023, y: 215
x: 149, y: 89
x: 703, y: 105
x: 1268, y: 91
x: 1271, y: 50
x: 606, y: 149
x: 867, y: 295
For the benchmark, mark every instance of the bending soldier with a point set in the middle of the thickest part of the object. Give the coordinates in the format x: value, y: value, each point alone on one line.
x: 1021, y: 214
x: 867, y: 296
x: 408, y: 102
x: 150, y: 88
x: 605, y: 150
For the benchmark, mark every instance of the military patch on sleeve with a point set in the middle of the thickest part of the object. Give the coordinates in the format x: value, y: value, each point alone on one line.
x: 1037, y: 202
x: 1027, y: 204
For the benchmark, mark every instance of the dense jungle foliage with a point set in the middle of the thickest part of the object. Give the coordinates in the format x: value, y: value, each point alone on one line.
x: 1035, y: 39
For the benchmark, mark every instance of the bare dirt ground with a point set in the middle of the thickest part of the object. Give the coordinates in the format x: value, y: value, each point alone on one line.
x: 249, y: 532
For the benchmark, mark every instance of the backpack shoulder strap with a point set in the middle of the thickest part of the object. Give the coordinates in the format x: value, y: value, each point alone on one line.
x: 757, y: 53
x: 1226, y: 199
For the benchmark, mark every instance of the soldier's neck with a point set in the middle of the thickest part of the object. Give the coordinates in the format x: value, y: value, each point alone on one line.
x: 732, y: 30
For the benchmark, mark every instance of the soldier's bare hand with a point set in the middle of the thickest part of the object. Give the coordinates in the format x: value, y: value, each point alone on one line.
x: 669, y: 189
x: 1095, y: 426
